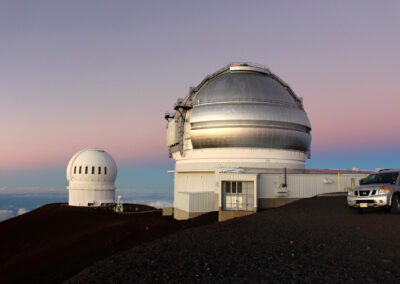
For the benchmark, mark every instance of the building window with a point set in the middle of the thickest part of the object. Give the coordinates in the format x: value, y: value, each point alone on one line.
x: 75, y: 170
x: 86, y: 169
x: 105, y: 170
x: 80, y: 170
x: 232, y: 186
x: 92, y: 170
x: 99, y: 170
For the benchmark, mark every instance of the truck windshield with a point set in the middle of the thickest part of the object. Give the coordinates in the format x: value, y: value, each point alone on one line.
x: 380, y: 178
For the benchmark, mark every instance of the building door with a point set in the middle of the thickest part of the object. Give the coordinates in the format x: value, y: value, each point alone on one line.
x: 238, y: 195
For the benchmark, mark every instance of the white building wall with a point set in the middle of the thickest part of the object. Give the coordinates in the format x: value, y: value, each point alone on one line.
x: 304, y: 185
x: 181, y: 201
x: 195, y: 182
x: 95, y: 197
x: 197, y: 191
x: 194, y: 192
x: 201, y: 201
x: 194, y: 201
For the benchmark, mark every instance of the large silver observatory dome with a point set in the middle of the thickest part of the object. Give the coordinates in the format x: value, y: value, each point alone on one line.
x: 241, y: 105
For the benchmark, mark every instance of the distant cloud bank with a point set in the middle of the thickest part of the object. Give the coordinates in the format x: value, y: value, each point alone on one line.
x: 28, y: 190
x: 6, y: 214
x: 161, y: 204
x: 21, y: 211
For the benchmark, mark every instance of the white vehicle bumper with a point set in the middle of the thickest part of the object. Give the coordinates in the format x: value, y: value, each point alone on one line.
x: 368, y: 201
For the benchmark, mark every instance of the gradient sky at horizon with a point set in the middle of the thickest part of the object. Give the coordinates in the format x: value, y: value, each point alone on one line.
x: 81, y: 74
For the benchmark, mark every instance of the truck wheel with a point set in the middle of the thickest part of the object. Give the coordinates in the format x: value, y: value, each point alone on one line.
x: 395, y: 207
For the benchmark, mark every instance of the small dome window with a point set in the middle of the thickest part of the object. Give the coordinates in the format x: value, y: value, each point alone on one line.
x: 80, y: 170
x: 75, y: 170
x: 105, y: 170
x: 86, y: 169
x: 92, y: 170
x: 99, y: 171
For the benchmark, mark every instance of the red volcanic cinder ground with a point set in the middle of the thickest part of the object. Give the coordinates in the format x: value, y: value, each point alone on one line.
x: 316, y: 240
x: 54, y: 242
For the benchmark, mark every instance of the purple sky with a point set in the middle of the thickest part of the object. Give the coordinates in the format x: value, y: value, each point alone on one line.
x: 79, y: 74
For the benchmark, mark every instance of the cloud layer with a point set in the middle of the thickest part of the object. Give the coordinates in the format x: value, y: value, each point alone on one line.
x: 6, y: 214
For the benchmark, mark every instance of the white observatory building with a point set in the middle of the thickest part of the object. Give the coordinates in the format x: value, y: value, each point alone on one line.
x: 91, y: 174
x: 240, y: 140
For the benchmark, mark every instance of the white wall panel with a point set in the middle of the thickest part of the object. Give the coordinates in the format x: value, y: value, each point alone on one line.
x: 305, y: 185
x: 194, y: 201
x: 83, y: 197
x: 194, y: 182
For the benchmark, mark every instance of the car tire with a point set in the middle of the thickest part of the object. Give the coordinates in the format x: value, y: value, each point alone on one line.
x: 395, y: 207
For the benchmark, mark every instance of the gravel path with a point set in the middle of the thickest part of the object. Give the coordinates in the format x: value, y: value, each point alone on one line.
x: 313, y: 240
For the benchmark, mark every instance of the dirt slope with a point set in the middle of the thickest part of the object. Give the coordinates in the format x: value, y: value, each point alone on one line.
x: 316, y: 240
x: 54, y: 242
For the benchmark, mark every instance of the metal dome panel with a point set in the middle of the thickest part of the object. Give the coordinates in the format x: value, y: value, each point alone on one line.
x: 243, y: 106
x: 243, y: 86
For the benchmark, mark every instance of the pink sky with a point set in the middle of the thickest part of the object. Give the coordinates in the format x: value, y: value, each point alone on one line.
x: 86, y: 74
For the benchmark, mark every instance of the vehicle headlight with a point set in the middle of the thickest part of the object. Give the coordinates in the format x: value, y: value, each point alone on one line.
x: 384, y: 190
x: 350, y: 193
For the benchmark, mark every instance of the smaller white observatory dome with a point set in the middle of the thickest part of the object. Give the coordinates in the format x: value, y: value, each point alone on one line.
x: 91, y: 174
